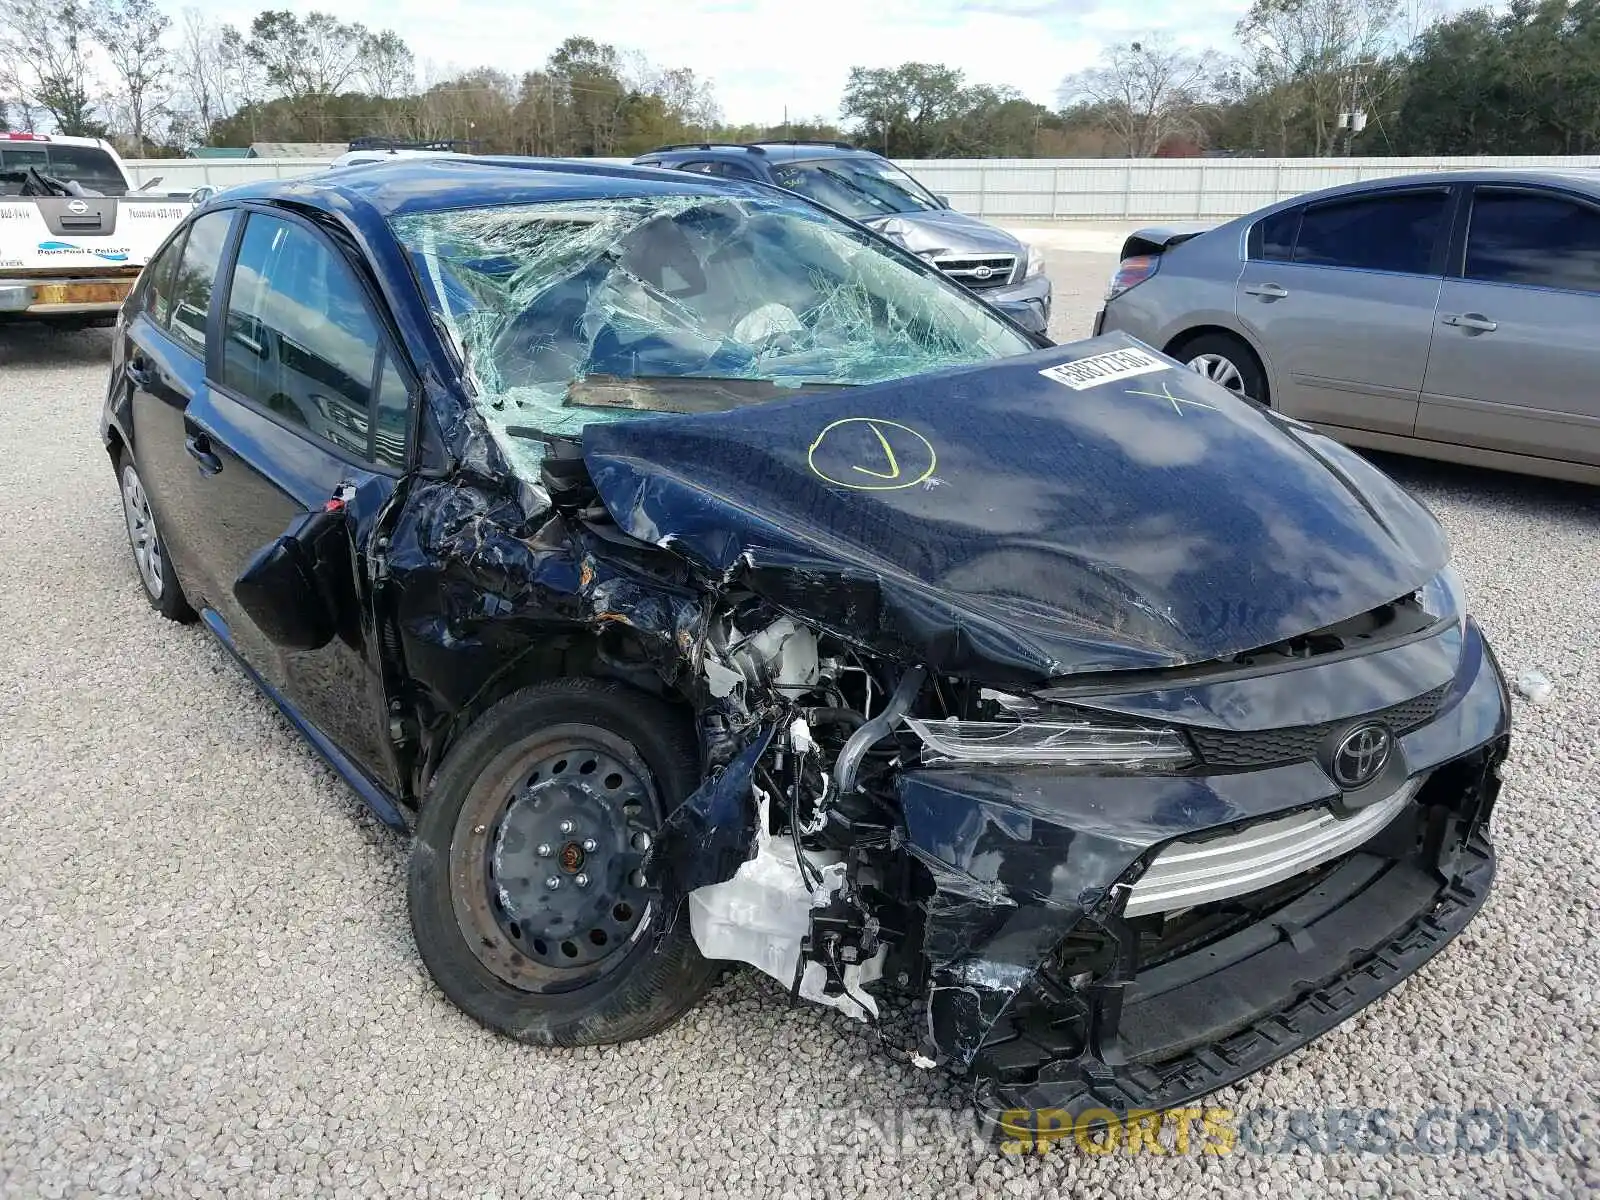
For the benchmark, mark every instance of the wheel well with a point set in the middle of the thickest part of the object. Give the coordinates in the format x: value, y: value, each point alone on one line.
x: 114, y: 443
x: 1175, y: 348
x: 614, y: 654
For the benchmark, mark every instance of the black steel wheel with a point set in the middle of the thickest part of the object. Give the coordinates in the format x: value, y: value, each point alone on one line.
x: 528, y: 896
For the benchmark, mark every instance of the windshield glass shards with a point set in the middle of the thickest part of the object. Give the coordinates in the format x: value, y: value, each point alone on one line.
x: 580, y: 312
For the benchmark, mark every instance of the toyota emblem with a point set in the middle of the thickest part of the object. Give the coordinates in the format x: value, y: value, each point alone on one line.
x: 77, y: 206
x: 1361, y: 755
x: 981, y: 272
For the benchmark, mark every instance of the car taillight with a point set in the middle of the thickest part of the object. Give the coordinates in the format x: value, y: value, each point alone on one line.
x: 1131, y: 271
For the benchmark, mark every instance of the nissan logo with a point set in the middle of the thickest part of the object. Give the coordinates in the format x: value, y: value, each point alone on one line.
x: 77, y: 206
x: 1361, y: 755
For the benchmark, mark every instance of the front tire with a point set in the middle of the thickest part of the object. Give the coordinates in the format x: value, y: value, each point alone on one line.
x: 150, y: 559
x: 526, y: 891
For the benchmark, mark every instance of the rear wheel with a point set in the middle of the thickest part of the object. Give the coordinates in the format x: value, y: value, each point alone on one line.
x: 150, y: 559
x: 527, y: 892
x: 1227, y: 362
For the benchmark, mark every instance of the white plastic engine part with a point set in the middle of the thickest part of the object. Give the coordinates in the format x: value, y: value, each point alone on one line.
x: 784, y: 653
x: 763, y: 913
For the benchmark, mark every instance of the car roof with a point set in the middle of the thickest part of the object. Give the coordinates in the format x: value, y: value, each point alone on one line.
x: 772, y: 152
x: 1585, y: 179
x: 408, y: 185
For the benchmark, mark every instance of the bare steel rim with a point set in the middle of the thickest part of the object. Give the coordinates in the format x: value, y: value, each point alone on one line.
x: 547, y: 858
x: 142, y: 532
x: 1220, y: 369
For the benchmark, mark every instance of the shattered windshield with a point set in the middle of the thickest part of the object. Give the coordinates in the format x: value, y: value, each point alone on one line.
x: 577, y: 312
x: 857, y: 187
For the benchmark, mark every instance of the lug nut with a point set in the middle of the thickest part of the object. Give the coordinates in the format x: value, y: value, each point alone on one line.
x: 565, y: 827
x: 581, y: 879
x: 589, y: 845
x: 641, y: 841
x: 553, y: 882
x: 544, y: 849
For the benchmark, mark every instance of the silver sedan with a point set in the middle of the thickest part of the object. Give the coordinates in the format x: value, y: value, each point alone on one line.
x: 1449, y: 315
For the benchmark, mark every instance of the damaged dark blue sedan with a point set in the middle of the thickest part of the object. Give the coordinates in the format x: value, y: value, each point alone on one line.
x: 702, y: 577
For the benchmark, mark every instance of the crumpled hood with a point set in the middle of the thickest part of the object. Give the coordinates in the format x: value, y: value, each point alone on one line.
x: 997, y: 522
x: 945, y: 230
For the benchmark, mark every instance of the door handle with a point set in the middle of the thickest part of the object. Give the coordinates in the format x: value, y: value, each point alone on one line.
x: 138, y: 372
x: 1476, y: 322
x: 199, y: 447
x: 1267, y: 291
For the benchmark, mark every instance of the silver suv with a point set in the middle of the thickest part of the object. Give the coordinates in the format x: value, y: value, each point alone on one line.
x: 1446, y: 315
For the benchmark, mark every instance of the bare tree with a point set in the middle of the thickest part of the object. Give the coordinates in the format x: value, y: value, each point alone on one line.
x: 49, y: 44
x: 20, y: 107
x: 133, y: 35
x: 215, y: 74
x: 386, y: 66
x: 1144, y: 92
x: 1313, y: 59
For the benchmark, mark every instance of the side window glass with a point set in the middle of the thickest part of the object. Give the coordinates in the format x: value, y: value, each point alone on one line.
x: 1272, y: 238
x: 1374, y: 233
x: 299, y: 339
x: 197, y: 273
x: 392, y: 414
x: 157, y: 303
x: 1538, y: 240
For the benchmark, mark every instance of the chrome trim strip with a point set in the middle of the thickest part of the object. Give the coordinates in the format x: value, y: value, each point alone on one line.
x: 1187, y: 873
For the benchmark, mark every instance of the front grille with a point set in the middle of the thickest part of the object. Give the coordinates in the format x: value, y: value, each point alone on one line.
x: 1266, y: 747
x: 979, y: 272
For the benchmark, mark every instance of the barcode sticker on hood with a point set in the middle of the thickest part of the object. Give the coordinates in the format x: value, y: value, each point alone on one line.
x: 1105, y: 368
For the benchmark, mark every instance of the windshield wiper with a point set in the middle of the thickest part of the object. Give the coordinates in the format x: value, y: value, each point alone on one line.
x: 683, y: 393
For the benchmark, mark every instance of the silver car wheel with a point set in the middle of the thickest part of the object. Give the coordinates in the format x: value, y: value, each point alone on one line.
x: 142, y: 532
x: 1219, y: 370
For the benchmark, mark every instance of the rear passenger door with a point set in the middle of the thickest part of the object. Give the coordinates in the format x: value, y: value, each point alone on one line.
x: 1516, y: 354
x: 1340, y: 295
x: 163, y: 355
x: 305, y: 398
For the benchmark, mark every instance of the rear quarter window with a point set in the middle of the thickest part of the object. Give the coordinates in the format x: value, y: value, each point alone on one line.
x: 1272, y: 238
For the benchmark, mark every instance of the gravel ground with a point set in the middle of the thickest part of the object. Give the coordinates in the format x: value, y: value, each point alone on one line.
x: 208, y: 987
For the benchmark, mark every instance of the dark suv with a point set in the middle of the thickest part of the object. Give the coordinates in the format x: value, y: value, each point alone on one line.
x: 1003, y: 269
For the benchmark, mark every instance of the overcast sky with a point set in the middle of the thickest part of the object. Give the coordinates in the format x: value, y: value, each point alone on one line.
x: 761, y: 55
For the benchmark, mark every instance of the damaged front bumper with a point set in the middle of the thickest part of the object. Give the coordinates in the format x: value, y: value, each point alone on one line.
x: 1065, y: 988
x: 1027, y: 303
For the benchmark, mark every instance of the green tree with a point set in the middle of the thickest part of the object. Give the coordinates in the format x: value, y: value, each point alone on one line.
x: 1522, y: 81
x: 47, y: 44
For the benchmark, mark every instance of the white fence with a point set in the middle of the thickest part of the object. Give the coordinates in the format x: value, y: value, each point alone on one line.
x: 1105, y: 189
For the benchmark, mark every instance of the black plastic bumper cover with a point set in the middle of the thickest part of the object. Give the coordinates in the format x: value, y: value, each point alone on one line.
x: 1291, y: 978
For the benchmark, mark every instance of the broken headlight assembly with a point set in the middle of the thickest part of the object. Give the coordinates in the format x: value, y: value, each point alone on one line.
x: 1021, y: 733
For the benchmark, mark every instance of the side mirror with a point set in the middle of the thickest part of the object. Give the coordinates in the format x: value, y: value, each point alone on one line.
x: 279, y: 588
x: 201, y: 194
x: 944, y: 201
